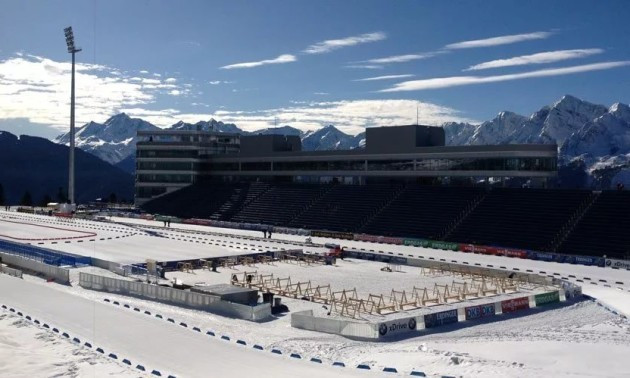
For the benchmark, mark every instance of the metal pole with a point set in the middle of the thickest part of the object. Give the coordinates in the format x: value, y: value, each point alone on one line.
x: 71, y: 173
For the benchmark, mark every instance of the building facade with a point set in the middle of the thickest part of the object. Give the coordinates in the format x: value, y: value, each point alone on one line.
x: 390, y: 153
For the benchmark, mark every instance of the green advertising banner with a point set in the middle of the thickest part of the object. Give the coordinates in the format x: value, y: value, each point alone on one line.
x: 416, y: 242
x: 547, y: 298
x: 443, y: 245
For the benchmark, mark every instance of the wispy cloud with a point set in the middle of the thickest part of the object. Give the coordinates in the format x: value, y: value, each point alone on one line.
x: 538, y: 58
x: 386, y: 77
x: 284, y: 58
x: 217, y: 82
x: 454, y: 81
x: 403, y: 58
x: 364, y: 66
x: 321, y: 93
x: 496, y: 41
x: 334, y: 44
x: 351, y: 116
x: 36, y: 88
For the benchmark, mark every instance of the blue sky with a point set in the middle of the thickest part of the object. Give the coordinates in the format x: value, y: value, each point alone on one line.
x: 303, y: 62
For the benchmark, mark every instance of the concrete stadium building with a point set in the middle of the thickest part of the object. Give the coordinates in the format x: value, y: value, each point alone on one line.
x: 167, y: 160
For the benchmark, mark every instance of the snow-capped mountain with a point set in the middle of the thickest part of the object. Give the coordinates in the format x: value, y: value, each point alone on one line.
x: 598, y: 136
x: 281, y: 130
x: 330, y: 138
x: 111, y: 141
x: 211, y: 125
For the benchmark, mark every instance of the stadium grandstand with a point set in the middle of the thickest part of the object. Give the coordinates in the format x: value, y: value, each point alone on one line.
x: 405, y: 182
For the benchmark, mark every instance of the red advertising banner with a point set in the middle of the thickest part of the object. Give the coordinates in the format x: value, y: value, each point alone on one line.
x: 478, y: 249
x: 390, y: 240
x: 516, y: 304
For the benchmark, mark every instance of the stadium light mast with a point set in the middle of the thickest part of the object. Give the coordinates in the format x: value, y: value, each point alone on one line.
x: 72, y: 49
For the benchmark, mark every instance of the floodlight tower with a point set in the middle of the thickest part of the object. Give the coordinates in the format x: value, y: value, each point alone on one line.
x: 72, y: 50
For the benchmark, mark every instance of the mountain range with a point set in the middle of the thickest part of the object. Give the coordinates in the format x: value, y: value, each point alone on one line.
x: 591, y: 138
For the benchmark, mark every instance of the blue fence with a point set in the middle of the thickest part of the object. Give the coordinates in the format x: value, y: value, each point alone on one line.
x: 44, y: 255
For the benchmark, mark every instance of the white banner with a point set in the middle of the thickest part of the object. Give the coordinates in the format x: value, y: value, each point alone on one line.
x: 620, y: 264
x: 397, y: 327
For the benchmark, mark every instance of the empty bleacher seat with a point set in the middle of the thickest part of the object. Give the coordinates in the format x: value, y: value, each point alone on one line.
x: 604, y: 229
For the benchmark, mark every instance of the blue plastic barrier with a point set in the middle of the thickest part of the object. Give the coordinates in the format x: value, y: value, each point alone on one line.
x: 241, y: 342
x: 44, y: 255
x: 364, y: 367
x: 340, y: 364
x: 390, y: 370
x: 295, y: 355
x: 418, y: 374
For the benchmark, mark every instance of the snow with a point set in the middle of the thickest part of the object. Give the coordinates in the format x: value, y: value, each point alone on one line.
x: 28, y: 351
x: 146, y: 340
x: 363, y: 276
x: 582, y: 339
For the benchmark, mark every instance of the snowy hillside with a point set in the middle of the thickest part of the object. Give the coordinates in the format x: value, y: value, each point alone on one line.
x: 111, y: 141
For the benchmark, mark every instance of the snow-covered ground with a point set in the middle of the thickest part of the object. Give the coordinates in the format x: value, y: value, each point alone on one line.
x: 363, y: 276
x: 579, y: 340
x: 29, y: 351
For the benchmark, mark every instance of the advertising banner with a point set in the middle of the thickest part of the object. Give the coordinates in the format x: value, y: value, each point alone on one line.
x: 512, y: 253
x: 516, y: 304
x: 390, y: 240
x: 416, y: 242
x: 585, y: 260
x: 365, y: 237
x: 619, y: 264
x: 440, y: 318
x: 478, y: 249
x: 547, y: 298
x: 443, y: 245
x: 333, y: 234
x: 397, y: 327
x: 481, y: 311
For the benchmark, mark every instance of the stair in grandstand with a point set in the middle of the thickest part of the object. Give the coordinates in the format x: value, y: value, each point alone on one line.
x: 279, y: 204
x: 564, y: 232
x: 603, y: 229
x: 345, y: 207
x: 469, y: 209
x: 422, y: 211
x: 395, y: 195
x: 519, y: 218
x: 240, y: 198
